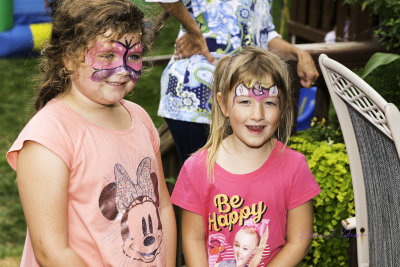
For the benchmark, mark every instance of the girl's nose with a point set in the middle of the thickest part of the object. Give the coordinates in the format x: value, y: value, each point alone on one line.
x: 257, y: 112
x: 122, y: 70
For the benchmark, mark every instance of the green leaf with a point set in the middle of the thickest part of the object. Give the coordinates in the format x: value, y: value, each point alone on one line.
x: 377, y: 60
x: 363, y: 6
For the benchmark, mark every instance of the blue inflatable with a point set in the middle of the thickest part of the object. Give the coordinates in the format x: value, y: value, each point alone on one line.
x: 30, y: 30
x: 306, y: 108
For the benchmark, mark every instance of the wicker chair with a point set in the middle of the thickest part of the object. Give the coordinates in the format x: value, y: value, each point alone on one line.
x: 371, y: 131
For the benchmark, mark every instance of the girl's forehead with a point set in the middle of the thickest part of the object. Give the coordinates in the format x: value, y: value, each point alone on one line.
x: 119, y: 47
x: 109, y: 38
x: 250, y: 81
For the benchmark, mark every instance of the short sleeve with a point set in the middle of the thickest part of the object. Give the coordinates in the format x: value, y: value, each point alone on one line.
x: 272, y: 35
x: 304, y: 186
x: 56, y: 137
x: 186, y: 193
x: 271, y: 26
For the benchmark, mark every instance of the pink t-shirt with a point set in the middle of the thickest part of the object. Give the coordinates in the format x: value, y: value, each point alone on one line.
x: 113, y: 187
x: 243, y: 211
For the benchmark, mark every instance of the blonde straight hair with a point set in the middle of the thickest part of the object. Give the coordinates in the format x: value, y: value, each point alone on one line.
x: 247, y: 65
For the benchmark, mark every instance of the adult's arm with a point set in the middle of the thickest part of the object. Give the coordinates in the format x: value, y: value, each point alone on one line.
x: 42, y: 179
x: 194, y: 240
x: 299, y: 221
x: 167, y: 217
x: 192, y: 42
x: 306, y: 69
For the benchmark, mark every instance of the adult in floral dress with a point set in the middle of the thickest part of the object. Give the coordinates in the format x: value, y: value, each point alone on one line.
x: 211, y: 29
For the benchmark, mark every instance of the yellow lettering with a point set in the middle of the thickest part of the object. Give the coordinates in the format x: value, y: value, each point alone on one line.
x: 212, y: 220
x: 222, y: 220
x: 227, y: 217
x: 221, y: 202
x: 258, y: 211
x: 244, y: 214
x: 236, y: 201
x: 233, y: 219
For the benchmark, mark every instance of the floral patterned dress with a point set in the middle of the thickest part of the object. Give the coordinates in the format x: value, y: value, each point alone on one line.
x: 227, y: 25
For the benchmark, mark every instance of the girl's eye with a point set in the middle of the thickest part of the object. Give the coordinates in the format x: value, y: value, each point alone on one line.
x: 270, y: 103
x: 243, y: 100
x: 107, y: 56
x: 134, y: 57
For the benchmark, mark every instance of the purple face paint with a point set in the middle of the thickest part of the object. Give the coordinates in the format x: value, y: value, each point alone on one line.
x: 109, y: 58
x: 258, y: 91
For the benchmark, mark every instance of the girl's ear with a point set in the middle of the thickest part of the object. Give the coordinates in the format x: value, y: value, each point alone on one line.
x: 68, y: 64
x: 222, y: 104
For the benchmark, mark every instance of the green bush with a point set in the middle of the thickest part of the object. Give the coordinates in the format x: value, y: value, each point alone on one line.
x: 320, y: 130
x: 330, y: 167
x: 385, y: 79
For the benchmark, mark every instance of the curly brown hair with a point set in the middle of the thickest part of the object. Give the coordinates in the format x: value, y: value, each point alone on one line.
x: 76, y: 24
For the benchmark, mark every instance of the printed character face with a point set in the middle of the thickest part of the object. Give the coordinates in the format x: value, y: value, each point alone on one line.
x: 244, y: 246
x: 110, y: 71
x: 145, y: 236
x: 254, y: 113
x: 138, y: 201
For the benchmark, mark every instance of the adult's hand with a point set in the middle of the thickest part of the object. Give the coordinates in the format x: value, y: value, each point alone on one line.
x: 306, y: 69
x: 192, y: 43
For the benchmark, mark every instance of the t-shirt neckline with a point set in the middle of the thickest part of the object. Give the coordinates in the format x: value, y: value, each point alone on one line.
x: 93, y: 125
x: 251, y: 175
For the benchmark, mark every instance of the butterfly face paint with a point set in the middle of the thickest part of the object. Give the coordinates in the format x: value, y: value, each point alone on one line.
x: 256, y: 90
x: 109, y: 58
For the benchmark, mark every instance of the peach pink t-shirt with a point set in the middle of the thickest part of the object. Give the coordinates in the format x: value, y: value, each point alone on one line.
x: 113, y: 198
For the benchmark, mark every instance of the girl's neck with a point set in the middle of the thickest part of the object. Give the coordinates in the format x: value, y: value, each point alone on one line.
x: 241, y: 159
x: 113, y: 117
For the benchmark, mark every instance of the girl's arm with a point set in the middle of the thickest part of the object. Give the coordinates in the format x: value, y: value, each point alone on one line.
x: 194, y: 239
x: 167, y: 218
x: 42, y: 179
x: 300, y: 219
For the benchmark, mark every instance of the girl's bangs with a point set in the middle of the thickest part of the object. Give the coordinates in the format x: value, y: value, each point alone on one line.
x: 249, y: 78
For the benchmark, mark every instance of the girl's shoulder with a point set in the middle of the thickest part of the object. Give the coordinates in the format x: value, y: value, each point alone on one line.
x: 54, y: 127
x: 133, y: 106
x: 137, y: 111
x: 287, y: 153
x: 54, y: 115
x: 197, y: 160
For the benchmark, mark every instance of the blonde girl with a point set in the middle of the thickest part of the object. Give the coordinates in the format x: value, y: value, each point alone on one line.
x: 245, y: 170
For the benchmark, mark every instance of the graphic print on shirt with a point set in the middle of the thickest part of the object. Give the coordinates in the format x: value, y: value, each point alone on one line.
x: 250, y: 245
x: 137, y: 202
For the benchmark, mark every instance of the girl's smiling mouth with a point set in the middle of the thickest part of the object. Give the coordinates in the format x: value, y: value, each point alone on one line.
x: 255, y: 128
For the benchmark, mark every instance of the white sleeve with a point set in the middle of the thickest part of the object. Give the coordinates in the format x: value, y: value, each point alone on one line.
x: 272, y: 35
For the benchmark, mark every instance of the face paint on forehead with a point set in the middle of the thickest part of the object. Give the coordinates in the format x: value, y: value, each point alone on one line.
x: 109, y: 58
x: 258, y: 91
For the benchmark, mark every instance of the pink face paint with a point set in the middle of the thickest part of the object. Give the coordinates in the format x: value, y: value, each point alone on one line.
x: 258, y: 91
x: 109, y: 58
